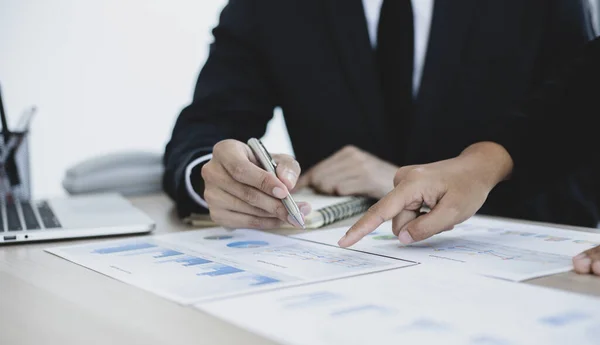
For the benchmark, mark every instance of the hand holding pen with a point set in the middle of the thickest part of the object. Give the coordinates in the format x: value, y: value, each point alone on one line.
x: 240, y: 193
x: 268, y: 163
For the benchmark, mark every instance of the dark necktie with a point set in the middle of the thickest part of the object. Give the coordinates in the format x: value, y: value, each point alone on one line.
x: 394, y: 56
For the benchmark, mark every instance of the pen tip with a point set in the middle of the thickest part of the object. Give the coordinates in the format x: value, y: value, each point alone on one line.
x: 300, y: 221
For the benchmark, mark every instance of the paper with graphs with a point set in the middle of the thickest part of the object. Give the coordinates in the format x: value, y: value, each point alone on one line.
x: 502, y: 249
x: 214, y: 263
x: 415, y: 305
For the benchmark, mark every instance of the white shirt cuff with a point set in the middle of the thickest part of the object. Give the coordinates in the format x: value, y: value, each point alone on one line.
x: 188, y: 179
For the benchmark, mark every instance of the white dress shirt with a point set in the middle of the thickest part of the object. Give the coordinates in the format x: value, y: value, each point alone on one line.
x: 422, y: 13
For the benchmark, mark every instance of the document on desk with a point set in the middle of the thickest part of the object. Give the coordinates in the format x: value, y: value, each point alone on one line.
x: 214, y: 263
x: 502, y: 249
x: 415, y: 305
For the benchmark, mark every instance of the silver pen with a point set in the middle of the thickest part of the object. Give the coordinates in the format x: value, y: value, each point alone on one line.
x: 265, y: 159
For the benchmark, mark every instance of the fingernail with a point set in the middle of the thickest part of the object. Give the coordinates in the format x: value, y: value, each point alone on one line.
x: 596, y: 267
x: 342, y: 240
x: 290, y: 176
x: 580, y: 256
x: 305, y: 209
x: 405, y: 237
x: 293, y: 222
x: 279, y: 193
x: 585, y: 262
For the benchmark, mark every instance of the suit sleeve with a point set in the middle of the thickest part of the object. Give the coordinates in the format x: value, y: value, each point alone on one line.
x: 232, y: 99
x: 553, y: 133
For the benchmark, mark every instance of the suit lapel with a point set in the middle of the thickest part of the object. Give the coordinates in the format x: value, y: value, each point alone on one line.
x: 448, y: 36
x: 351, y: 37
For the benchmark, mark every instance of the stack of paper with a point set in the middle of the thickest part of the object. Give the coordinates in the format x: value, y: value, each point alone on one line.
x: 501, y: 249
x: 416, y: 305
x: 205, y: 264
x: 319, y: 293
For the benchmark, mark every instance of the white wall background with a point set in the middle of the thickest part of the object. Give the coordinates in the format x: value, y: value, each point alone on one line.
x: 106, y: 76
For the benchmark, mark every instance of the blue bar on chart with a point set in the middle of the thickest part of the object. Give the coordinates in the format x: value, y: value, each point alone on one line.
x: 248, y: 244
x: 360, y: 309
x: 124, y: 248
x: 167, y: 253
x: 193, y: 261
x: 310, y: 299
x: 219, y: 270
x: 262, y: 280
x: 564, y: 319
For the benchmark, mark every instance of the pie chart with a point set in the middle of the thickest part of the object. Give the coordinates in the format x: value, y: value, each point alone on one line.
x: 247, y: 244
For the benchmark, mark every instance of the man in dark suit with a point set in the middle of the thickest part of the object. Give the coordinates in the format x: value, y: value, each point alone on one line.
x: 455, y: 188
x: 365, y: 87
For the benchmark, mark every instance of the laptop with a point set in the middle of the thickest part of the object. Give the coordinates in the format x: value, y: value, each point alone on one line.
x: 72, y: 217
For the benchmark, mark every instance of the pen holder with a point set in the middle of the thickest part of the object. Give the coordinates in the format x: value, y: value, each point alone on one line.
x: 15, y: 173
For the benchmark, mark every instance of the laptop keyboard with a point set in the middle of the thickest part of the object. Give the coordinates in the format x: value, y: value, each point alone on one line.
x: 31, y: 222
x: 13, y: 223
x: 48, y: 218
x: 24, y: 215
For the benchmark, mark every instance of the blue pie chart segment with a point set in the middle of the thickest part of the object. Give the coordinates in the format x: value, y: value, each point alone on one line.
x: 248, y: 244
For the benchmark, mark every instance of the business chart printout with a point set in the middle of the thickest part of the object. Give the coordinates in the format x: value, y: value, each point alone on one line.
x: 502, y: 249
x: 415, y: 305
x: 213, y: 263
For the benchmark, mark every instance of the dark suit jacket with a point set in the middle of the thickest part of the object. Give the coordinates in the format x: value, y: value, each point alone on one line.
x: 313, y: 59
x: 560, y: 146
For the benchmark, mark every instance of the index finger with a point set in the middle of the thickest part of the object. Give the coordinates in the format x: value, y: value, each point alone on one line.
x: 244, y: 169
x: 384, y: 210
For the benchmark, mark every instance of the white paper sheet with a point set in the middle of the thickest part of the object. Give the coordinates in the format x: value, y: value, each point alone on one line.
x: 416, y: 305
x: 197, y: 265
x: 502, y: 249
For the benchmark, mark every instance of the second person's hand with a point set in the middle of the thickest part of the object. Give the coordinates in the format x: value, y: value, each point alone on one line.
x: 588, y: 262
x: 351, y: 171
x: 240, y: 194
x: 453, y: 189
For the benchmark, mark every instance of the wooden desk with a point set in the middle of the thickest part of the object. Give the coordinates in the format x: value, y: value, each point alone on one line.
x: 47, y: 300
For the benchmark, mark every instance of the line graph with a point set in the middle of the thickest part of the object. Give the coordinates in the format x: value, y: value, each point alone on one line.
x: 586, y: 242
x: 457, y: 248
x: 473, y: 250
x: 321, y: 255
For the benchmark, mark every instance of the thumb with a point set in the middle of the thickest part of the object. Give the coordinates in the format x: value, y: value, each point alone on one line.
x: 444, y: 216
x: 288, y: 170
